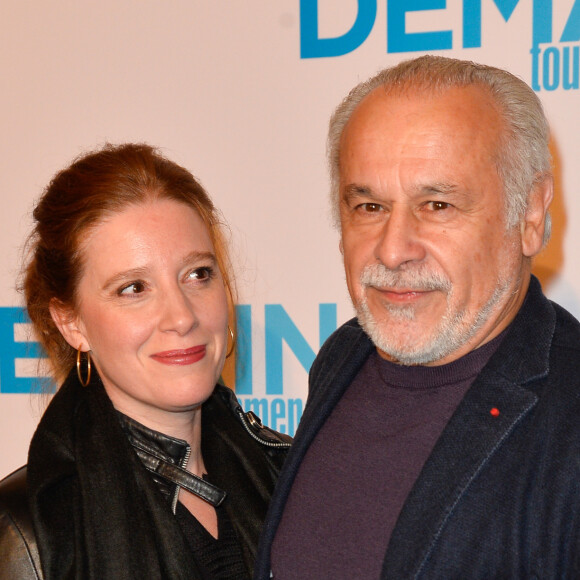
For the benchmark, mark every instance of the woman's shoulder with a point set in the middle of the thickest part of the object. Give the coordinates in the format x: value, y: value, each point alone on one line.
x: 18, y: 551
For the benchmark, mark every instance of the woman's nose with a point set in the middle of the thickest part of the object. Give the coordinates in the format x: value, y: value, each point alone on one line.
x: 178, y: 313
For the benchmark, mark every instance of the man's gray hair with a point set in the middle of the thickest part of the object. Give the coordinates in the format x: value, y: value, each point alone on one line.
x: 523, y: 158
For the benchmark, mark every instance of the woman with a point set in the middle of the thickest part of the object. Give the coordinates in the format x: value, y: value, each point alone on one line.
x: 143, y: 465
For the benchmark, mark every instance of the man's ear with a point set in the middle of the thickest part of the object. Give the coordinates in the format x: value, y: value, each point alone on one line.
x: 67, y: 323
x: 534, y: 223
x: 340, y: 247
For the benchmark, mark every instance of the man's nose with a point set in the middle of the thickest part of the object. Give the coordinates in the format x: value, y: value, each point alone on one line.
x: 400, y: 239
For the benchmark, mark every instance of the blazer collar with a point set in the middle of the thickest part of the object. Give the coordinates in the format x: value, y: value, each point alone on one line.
x: 331, y: 382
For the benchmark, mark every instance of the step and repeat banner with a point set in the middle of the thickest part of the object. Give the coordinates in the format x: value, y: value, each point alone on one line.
x: 240, y: 93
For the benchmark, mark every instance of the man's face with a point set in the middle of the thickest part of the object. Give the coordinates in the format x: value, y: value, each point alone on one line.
x: 430, y: 265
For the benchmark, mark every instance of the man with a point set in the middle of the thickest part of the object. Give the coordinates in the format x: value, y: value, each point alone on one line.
x: 441, y: 438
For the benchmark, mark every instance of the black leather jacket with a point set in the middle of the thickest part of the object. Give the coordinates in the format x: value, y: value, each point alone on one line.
x: 165, y: 458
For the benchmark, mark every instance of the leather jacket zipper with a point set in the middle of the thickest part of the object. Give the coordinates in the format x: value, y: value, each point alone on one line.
x: 255, y: 421
x: 177, y: 489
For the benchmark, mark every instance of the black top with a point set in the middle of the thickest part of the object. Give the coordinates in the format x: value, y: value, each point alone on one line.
x: 96, y: 506
x: 219, y: 559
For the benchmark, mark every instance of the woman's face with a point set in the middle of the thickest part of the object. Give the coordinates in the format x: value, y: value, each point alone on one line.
x: 152, y: 309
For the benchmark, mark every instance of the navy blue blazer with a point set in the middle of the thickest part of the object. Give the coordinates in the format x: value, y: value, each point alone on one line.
x: 499, y: 497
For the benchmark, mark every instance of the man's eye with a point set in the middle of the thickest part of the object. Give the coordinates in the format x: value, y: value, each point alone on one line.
x: 133, y: 288
x: 370, y: 207
x: 439, y: 205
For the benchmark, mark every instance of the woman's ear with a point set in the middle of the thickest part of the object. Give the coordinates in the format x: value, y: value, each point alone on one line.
x: 68, y: 324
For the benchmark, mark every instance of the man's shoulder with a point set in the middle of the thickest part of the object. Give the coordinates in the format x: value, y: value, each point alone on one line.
x: 347, y: 347
x: 567, y: 331
x: 344, y: 338
x: 18, y: 550
x: 543, y: 355
x: 346, y: 333
x: 541, y: 343
x: 564, y: 358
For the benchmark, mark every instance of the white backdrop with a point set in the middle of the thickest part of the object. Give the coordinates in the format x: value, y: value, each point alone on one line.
x: 240, y: 93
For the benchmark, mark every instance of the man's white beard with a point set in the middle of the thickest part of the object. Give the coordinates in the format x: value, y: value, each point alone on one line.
x: 453, y: 331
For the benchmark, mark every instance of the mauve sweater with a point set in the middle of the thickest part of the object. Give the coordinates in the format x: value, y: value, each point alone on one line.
x: 363, y: 463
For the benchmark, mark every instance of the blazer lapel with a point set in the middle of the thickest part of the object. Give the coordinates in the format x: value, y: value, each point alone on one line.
x: 330, y: 386
x: 327, y: 387
x: 467, y: 443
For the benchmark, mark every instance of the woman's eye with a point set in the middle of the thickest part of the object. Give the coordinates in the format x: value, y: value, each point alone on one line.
x: 201, y: 273
x: 133, y: 288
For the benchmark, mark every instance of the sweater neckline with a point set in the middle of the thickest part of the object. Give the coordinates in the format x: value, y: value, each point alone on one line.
x: 421, y: 377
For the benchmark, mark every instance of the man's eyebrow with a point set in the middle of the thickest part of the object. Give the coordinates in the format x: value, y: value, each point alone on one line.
x: 354, y: 191
x: 440, y: 188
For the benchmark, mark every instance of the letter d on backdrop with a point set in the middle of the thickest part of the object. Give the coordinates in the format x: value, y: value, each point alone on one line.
x: 311, y: 46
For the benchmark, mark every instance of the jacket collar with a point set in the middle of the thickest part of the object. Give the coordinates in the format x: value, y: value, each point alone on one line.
x: 332, y: 375
x: 164, y: 446
x: 166, y: 458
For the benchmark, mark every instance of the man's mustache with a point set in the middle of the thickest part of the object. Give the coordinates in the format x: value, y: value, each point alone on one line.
x: 421, y: 279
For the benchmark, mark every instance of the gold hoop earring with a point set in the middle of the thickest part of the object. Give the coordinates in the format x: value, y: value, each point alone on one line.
x: 230, y: 352
x: 79, y: 374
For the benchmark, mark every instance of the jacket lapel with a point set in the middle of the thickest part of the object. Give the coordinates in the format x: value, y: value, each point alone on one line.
x: 331, y: 380
x: 467, y: 443
x: 473, y: 435
x: 331, y: 385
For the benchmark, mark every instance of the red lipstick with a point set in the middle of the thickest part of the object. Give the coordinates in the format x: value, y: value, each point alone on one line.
x: 187, y: 356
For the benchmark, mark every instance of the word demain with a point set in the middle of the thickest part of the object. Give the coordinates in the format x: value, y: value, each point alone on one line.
x: 261, y: 387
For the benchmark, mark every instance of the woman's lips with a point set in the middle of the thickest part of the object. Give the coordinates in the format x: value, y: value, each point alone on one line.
x: 180, y: 357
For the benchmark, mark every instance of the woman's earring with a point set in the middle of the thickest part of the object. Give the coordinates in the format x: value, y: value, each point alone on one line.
x: 231, y: 350
x: 79, y: 374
